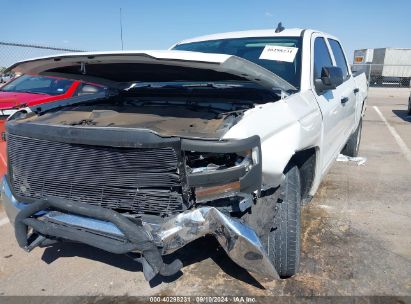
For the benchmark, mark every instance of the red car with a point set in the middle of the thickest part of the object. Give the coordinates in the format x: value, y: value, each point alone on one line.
x: 28, y: 91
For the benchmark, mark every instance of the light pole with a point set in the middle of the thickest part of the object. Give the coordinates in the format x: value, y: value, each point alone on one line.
x: 121, y: 30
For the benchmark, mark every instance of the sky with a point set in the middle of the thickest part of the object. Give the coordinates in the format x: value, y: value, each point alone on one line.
x: 155, y: 24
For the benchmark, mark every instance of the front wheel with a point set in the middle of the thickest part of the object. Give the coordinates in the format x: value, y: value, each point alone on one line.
x: 282, y: 242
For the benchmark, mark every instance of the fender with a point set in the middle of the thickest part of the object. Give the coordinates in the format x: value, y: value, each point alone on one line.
x: 285, y: 127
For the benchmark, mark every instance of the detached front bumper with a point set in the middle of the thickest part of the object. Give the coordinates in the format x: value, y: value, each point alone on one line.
x: 106, y: 229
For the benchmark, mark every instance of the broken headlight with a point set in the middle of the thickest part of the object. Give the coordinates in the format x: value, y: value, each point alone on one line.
x: 198, y: 162
x: 220, y: 173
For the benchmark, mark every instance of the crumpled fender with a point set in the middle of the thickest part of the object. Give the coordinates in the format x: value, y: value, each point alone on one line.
x: 285, y: 127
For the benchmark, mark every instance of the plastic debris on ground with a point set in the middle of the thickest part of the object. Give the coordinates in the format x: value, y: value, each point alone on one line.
x: 359, y: 160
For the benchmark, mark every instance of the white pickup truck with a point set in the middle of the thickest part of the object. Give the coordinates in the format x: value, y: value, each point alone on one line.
x: 224, y: 135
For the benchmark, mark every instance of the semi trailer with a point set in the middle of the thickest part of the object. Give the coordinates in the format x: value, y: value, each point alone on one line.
x: 384, y: 65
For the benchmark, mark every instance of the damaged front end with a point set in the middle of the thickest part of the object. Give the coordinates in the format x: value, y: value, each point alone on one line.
x: 118, y: 234
x: 131, y: 190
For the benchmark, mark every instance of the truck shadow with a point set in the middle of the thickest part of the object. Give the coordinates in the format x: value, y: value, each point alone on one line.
x: 195, y: 252
x: 403, y: 114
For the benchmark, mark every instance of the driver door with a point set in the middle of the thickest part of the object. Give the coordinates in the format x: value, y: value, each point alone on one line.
x: 329, y: 103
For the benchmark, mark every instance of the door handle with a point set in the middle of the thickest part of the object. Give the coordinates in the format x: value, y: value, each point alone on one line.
x: 344, y: 100
x: 356, y: 90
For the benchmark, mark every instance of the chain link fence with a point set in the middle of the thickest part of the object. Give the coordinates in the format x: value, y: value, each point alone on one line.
x: 11, y: 52
x: 378, y: 75
x: 383, y: 75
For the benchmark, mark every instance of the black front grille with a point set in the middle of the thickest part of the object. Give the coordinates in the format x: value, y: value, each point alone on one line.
x: 124, y: 179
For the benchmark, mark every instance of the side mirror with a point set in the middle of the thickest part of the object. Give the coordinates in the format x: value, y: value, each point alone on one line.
x: 331, y: 77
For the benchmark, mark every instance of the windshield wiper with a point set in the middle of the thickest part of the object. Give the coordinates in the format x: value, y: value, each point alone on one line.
x: 231, y: 109
x: 137, y: 86
x: 211, y: 85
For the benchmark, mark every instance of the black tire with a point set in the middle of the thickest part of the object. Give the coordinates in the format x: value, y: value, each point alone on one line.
x: 282, y: 242
x: 353, y: 144
x: 409, y: 106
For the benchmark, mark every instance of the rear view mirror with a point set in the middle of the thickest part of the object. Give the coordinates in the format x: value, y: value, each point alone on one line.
x: 331, y: 77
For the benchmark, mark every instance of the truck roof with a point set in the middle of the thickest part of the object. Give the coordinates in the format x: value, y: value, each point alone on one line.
x: 292, y: 32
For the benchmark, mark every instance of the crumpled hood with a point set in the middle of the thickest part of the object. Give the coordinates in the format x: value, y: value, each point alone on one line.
x: 116, y: 68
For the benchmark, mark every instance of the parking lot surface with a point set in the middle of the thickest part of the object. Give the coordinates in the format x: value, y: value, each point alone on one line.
x: 356, y: 236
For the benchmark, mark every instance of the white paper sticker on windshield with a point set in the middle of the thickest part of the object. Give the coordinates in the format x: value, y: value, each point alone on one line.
x: 279, y: 53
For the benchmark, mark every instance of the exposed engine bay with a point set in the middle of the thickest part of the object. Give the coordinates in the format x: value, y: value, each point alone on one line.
x: 195, y: 113
x: 165, y: 118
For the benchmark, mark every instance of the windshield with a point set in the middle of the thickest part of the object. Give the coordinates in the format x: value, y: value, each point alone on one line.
x: 251, y: 49
x: 38, y: 85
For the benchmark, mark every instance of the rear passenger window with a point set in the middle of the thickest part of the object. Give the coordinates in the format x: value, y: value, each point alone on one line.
x: 322, y: 57
x: 339, y: 57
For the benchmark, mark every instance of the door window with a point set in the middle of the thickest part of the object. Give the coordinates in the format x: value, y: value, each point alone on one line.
x: 339, y: 57
x: 322, y: 57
